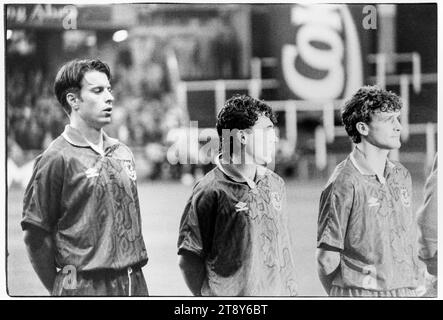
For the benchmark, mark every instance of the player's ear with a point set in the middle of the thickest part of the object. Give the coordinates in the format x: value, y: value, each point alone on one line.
x: 362, y: 128
x: 242, y: 136
x: 72, y: 100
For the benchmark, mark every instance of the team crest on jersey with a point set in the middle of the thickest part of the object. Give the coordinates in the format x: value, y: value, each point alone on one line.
x: 405, y: 197
x: 130, y: 169
x: 276, y: 200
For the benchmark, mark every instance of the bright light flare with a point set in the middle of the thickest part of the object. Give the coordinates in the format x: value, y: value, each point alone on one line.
x: 120, y: 36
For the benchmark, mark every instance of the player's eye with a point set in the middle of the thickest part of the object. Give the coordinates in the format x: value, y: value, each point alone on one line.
x: 389, y: 119
x: 395, y: 119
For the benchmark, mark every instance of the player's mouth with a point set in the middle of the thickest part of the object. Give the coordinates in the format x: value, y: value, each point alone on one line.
x: 108, y: 111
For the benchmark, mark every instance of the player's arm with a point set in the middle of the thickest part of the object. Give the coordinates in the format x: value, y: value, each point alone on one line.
x: 193, y: 270
x: 328, y: 265
x: 41, y: 208
x: 427, y: 223
x: 336, y: 202
x: 40, y: 250
x: 195, y: 236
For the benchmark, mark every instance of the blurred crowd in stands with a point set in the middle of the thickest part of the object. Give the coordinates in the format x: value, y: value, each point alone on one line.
x: 140, y: 120
x: 145, y: 106
x: 145, y: 111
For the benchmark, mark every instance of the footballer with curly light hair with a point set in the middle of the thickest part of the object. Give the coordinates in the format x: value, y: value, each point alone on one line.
x: 366, y: 235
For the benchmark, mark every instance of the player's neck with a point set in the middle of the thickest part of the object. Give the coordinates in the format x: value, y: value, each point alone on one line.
x: 375, y: 157
x: 93, y: 135
x: 246, y: 170
x: 246, y: 167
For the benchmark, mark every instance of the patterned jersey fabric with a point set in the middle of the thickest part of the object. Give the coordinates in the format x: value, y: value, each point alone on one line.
x: 242, y: 235
x: 88, y: 202
x: 370, y: 220
x: 428, y: 217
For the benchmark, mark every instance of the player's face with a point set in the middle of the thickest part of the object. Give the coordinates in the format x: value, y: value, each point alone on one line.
x: 384, y: 130
x: 95, y: 107
x: 261, y: 141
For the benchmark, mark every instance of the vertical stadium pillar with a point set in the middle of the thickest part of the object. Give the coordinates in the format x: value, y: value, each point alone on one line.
x: 404, y: 94
x: 291, y: 123
x: 320, y: 148
x: 328, y: 121
x: 220, y: 94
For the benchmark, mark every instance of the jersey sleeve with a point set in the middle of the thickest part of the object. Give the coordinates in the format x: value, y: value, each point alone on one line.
x: 335, y: 209
x: 41, y: 204
x: 288, y: 263
x: 197, y: 222
x: 427, y: 217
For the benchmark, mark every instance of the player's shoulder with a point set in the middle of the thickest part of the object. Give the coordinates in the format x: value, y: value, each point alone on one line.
x: 344, y: 171
x: 119, y: 143
x: 274, y: 177
x: 209, y: 181
x: 56, y: 150
x: 399, y: 171
x: 397, y: 166
x: 343, y: 176
x: 121, y: 150
x: 53, y: 155
x: 208, y: 186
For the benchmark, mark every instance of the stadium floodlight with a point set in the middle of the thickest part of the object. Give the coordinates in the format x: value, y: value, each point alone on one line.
x: 120, y: 35
x: 8, y: 34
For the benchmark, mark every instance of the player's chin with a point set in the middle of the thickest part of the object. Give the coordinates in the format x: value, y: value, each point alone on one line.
x: 396, y: 144
x: 393, y: 146
x: 266, y: 161
x: 258, y: 161
x: 105, y: 120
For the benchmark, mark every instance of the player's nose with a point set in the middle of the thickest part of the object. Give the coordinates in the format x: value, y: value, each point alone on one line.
x: 276, y: 138
x: 397, y: 125
x: 109, y: 97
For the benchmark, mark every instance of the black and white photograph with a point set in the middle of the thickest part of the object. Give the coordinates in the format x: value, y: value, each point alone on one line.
x: 196, y: 150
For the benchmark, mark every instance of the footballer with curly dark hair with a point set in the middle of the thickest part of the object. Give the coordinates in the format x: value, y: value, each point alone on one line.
x: 366, y: 236
x: 241, y: 112
x: 234, y: 237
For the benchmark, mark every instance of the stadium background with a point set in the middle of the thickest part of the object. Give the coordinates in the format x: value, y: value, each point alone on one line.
x: 176, y: 63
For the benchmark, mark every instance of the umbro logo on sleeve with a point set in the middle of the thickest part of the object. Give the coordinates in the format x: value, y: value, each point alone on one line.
x: 241, y: 206
x: 91, y: 173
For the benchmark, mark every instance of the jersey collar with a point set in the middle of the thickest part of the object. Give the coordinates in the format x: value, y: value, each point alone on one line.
x: 74, y: 137
x: 237, y: 176
x: 363, y: 167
